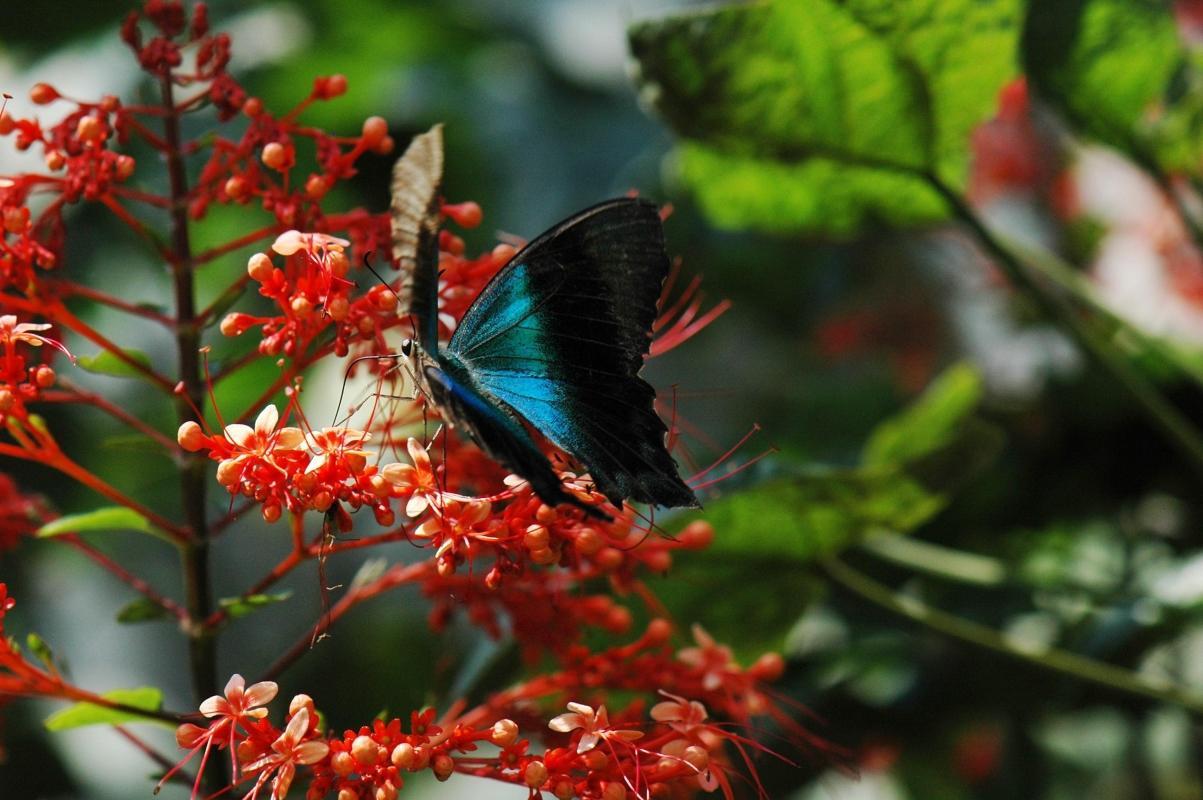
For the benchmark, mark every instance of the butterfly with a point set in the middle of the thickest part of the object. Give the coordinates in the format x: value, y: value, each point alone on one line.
x: 555, y: 341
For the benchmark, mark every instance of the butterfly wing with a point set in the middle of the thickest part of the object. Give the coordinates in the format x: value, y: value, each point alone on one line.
x: 414, y: 217
x: 499, y: 433
x: 559, y: 336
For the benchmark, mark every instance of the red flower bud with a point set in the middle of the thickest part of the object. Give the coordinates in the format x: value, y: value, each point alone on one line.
x: 43, y: 93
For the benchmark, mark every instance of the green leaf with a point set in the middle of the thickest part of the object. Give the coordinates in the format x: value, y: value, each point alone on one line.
x: 79, y: 715
x: 798, y: 104
x: 1118, y: 70
x: 105, y: 363
x: 820, y: 196
x: 41, y: 650
x: 929, y: 423
x: 727, y: 597
x: 141, y: 610
x: 236, y: 607
x: 809, y: 516
x: 109, y: 518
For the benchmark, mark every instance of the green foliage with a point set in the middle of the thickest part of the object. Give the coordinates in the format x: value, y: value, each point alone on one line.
x: 109, y: 518
x: 823, y: 116
x: 105, y: 363
x: 1119, y: 72
x: 80, y: 715
x: 236, y: 607
x: 142, y: 609
x: 766, y: 535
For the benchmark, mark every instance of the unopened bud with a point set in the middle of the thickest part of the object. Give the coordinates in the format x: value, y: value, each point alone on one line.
x: 89, y: 129
x: 443, y: 766
x: 275, y: 155
x: 364, y: 750
x: 374, y: 130
x: 43, y: 93
x: 260, y: 267
x: 535, y: 774
x: 125, y: 167
x: 316, y: 187
x: 505, y: 732
x: 466, y: 215
x: 44, y: 377
x: 54, y: 161
x: 403, y: 756
x: 190, y: 436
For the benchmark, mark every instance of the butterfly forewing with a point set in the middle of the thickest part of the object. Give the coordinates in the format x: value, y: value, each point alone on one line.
x: 559, y: 336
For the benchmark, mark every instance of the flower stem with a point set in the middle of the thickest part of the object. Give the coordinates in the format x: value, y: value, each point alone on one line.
x: 1050, y: 658
x: 202, y: 645
x: 1094, y: 340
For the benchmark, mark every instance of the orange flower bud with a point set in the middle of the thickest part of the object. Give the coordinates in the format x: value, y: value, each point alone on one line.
x: 259, y: 267
x: 536, y: 537
x: 43, y: 93
x: 89, y: 129
x: 374, y: 131
x: 588, y: 541
x: 271, y: 513
x: 337, y: 261
x: 466, y: 215
x: 563, y: 790
x: 43, y: 376
x: 316, y: 187
x: 659, y: 560
x: 301, y: 306
x: 364, y: 750
x: 253, y: 107
x: 7, y: 125
x: 190, y: 436
x: 403, y: 756
x: 697, y: 757
x: 54, y: 160
x: 229, y: 472
x: 236, y: 187
x: 329, y: 87
x: 385, y: 147
x: 614, y: 791
x: 505, y: 732
x: 658, y: 631
x: 338, y: 308
x: 275, y: 155
x: 443, y: 766
x: 125, y: 167
x: 504, y: 252
x: 343, y: 764
x: 535, y: 774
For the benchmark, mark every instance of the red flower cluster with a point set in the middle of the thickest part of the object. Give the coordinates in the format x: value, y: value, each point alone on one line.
x: 589, y: 753
x: 644, y: 719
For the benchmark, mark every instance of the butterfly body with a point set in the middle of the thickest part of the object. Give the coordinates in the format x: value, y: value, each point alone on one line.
x: 554, y: 343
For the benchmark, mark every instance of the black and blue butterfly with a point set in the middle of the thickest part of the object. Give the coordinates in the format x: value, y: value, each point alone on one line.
x: 555, y: 341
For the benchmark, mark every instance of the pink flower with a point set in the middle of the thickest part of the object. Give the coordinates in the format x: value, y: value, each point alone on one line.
x: 713, y: 659
x: 11, y: 332
x: 291, y: 242
x: 290, y: 749
x: 596, y: 726
x: 418, y: 479
x: 682, y: 715
x: 239, y: 701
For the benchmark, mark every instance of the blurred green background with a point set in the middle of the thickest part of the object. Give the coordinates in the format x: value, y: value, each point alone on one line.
x: 1064, y: 519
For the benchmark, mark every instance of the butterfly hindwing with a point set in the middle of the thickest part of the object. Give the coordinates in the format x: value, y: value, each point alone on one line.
x: 501, y: 435
x: 559, y: 336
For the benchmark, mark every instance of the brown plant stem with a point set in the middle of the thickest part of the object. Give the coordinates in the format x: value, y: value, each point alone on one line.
x: 202, y: 646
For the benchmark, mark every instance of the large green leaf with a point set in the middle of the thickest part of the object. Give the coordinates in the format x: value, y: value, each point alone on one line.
x: 794, y: 105
x: 1118, y: 70
x: 146, y: 698
x: 911, y: 465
